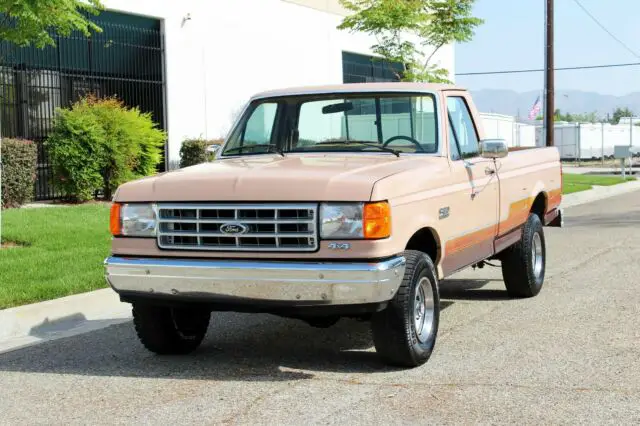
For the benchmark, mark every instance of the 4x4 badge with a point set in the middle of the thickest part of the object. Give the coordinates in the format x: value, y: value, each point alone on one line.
x: 339, y: 246
x: 444, y: 213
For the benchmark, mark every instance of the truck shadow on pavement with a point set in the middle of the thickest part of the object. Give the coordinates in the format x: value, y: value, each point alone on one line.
x: 463, y: 289
x: 238, y: 347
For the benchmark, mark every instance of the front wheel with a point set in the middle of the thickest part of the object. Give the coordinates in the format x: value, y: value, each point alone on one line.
x: 170, y: 331
x: 404, y: 333
x: 524, y: 263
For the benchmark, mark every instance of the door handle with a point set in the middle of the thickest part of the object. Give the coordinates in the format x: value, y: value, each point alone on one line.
x: 489, y: 171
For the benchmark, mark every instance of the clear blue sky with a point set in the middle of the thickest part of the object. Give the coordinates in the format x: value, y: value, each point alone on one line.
x: 512, y: 37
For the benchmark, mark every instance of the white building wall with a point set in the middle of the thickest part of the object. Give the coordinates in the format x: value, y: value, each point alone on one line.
x: 591, y: 140
x: 229, y: 50
x: 498, y: 126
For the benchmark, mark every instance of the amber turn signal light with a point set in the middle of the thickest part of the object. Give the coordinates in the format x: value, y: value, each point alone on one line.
x: 377, y: 220
x: 114, y: 220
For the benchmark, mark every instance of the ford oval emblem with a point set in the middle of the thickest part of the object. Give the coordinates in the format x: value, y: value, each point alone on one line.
x: 233, y: 228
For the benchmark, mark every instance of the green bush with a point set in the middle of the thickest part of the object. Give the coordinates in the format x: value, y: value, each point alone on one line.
x: 194, y: 151
x: 18, y: 171
x: 99, y: 144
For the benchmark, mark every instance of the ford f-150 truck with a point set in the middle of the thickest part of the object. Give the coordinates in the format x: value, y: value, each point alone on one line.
x: 352, y: 200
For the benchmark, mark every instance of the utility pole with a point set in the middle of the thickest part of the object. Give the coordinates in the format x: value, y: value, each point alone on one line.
x: 630, y: 143
x: 631, y: 129
x: 549, y: 108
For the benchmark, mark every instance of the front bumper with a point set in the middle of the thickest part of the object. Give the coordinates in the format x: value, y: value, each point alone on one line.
x: 296, y: 283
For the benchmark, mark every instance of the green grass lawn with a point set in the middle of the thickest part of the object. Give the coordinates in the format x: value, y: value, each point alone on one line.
x: 63, y: 253
x: 576, y: 183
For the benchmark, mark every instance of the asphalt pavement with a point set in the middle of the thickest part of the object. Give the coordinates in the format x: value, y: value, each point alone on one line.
x: 569, y: 356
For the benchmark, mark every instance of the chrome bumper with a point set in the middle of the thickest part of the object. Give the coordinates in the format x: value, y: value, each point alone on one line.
x: 300, y: 283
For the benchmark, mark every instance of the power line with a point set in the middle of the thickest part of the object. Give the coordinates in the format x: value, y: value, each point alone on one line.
x: 584, y: 9
x: 585, y: 67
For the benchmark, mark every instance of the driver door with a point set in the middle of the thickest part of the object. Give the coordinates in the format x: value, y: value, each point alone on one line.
x: 474, y: 211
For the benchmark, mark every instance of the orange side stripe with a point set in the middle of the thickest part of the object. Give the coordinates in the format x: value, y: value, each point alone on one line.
x: 469, y: 240
x: 518, y: 214
x: 554, y: 199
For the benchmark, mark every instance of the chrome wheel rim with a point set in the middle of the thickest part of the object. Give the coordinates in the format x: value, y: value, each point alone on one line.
x: 423, y: 310
x: 536, y: 255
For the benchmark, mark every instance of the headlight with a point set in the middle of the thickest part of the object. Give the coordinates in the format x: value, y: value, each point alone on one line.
x: 355, y: 221
x: 133, y: 220
x: 341, y: 221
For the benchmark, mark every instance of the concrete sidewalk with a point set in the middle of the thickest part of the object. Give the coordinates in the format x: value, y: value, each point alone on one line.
x: 68, y: 316
x: 599, y: 193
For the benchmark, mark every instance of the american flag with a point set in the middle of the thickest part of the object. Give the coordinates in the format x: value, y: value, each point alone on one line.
x: 535, y: 109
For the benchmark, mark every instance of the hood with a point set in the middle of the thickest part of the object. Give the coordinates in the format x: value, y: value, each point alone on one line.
x: 317, y: 177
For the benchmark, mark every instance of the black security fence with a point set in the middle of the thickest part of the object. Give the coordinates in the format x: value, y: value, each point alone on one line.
x: 124, y: 60
x: 365, y: 69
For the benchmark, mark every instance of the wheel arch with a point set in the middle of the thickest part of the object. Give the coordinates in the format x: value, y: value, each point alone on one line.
x: 539, y: 205
x: 426, y: 240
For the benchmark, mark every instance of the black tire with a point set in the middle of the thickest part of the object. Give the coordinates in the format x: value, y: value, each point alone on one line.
x: 170, y: 331
x: 518, y: 264
x: 394, y: 328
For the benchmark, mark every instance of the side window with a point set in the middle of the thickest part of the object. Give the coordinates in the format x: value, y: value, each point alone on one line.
x: 453, y: 143
x: 461, y: 124
x: 259, y: 127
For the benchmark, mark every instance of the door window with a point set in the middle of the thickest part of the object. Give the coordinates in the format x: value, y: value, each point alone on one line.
x: 464, y: 131
x: 453, y: 143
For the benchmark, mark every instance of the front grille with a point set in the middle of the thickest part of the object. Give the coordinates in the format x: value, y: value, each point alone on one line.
x: 238, y: 227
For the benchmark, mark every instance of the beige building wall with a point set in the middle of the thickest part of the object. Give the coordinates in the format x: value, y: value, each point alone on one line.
x: 331, y: 6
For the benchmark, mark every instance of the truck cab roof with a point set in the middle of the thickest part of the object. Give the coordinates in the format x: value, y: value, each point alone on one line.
x: 358, y: 87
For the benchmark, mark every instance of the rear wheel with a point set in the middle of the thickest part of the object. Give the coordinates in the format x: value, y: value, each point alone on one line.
x: 404, y: 333
x: 523, y: 264
x: 170, y: 331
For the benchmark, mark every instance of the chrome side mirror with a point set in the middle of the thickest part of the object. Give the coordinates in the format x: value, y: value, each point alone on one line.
x: 213, y: 150
x: 493, y: 148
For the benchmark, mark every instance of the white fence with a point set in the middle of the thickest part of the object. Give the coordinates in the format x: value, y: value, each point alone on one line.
x: 506, y: 127
x: 590, y: 141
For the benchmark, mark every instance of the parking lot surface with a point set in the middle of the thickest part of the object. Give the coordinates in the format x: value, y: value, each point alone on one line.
x: 570, y: 355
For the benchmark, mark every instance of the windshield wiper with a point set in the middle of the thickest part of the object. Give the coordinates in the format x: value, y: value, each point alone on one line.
x: 271, y: 148
x: 377, y: 145
x: 371, y: 144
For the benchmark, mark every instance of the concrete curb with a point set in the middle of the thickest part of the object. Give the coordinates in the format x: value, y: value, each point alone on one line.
x: 598, y: 193
x: 67, y: 316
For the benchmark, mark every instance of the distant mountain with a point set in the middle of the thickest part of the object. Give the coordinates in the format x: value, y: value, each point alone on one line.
x: 572, y: 101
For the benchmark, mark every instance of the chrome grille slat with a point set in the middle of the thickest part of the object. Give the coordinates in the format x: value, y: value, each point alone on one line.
x: 269, y: 227
x: 279, y: 221
x: 218, y: 234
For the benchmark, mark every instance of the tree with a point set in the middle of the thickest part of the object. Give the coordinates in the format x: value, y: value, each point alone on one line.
x: 403, y: 28
x: 590, y: 117
x: 25, y: 22
x: 619, y: 113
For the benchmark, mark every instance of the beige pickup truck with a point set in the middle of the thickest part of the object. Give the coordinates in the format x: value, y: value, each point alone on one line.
x: 328, y: 202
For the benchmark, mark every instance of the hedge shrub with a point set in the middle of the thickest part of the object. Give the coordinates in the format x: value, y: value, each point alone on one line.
x: 19, y: 159
x: 99, y: 144
x: 194, y: 151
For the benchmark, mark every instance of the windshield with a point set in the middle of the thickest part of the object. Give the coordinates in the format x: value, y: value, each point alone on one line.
x: 337, y: 123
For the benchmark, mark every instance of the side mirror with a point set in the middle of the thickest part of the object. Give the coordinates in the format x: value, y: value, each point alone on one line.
x: 213, y: 149
x: 493, y: 148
